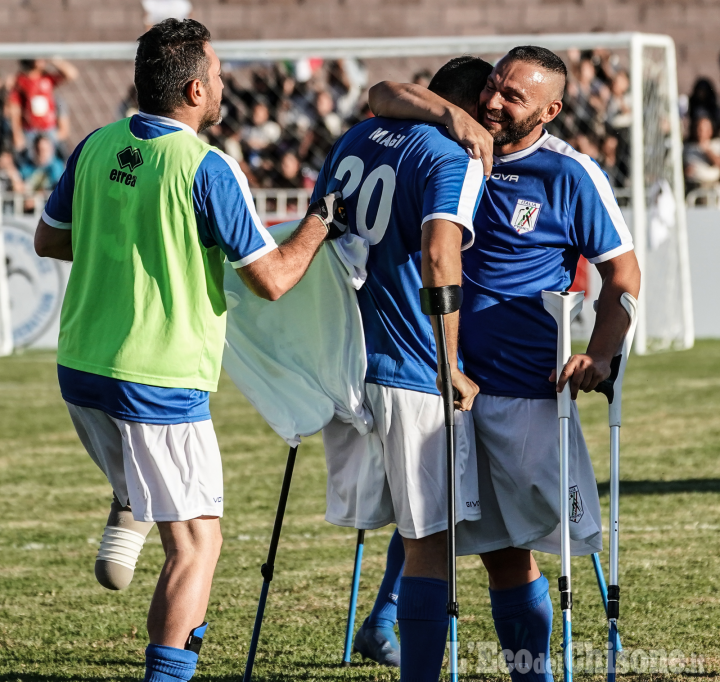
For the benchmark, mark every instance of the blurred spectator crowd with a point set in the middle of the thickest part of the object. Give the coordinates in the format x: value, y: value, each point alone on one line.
x: 596, y: 115
x: 701, y: 154
x: 280, y: 120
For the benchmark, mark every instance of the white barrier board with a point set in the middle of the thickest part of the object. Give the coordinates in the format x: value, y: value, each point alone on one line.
x: 36, y: 286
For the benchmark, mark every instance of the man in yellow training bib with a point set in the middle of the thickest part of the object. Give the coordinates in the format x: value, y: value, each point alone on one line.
x: 148, y: 213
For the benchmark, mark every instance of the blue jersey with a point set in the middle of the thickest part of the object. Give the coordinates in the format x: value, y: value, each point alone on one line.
x: 395, y: 176
x: 544, y: 207
x: 225, y: 217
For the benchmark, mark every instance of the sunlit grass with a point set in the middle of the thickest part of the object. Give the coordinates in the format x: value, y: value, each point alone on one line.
x: 57, y: 623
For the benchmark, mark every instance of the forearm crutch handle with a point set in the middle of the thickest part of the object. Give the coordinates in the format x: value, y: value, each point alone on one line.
x: 612, y: 386
x: 438, y: 302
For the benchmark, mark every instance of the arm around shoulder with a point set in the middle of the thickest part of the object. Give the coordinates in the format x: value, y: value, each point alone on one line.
x: 407, y: 100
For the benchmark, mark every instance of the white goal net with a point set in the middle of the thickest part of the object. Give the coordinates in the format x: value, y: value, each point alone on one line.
x: 285, y: 103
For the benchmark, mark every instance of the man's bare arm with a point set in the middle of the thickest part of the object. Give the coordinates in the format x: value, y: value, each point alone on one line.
x: 51, y: 242
x: 587, y: 370
x: 277, y: 272
x: 442, y: 265
x: 407, y: 100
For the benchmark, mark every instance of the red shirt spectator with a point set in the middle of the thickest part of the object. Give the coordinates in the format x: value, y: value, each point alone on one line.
x: 31, y: 102
x: 34, y: 96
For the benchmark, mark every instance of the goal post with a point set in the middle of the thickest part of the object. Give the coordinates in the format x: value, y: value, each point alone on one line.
x: 6, y: 335
x: 665, y: 314
x: 652, y: 197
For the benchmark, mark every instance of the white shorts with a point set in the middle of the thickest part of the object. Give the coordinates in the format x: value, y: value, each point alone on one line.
x: 518, y: 451
x: 168, y: 472
x: 396, y: 473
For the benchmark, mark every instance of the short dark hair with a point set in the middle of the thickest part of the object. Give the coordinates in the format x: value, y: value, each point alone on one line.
x: 541, y: 56
x: 169, y: 56
x: 461, y: 80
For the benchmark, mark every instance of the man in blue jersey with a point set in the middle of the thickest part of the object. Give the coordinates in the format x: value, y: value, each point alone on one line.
x: 412, y: 193
x: 544, y: 207
x: 148, y: 213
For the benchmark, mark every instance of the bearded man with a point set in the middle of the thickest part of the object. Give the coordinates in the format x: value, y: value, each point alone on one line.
x: 545, y: 205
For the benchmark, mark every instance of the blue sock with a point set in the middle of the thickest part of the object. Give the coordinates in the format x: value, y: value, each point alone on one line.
x: 523, y: 620
x: 423, y: 620
x: 384, y: 613
x: 168, y: 664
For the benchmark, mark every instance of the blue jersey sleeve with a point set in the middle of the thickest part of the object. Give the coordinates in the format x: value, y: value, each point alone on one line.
x: 225, y: 211
x: 453, y: 192
x: 598, y: 226
x: 58, y: 210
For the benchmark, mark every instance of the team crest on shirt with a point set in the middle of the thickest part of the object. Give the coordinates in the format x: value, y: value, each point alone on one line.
x: 525, y: 216
x: 576, y: 504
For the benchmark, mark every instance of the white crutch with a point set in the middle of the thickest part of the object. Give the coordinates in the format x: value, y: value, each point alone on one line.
x: 564, y: 306
x: 612, y: 389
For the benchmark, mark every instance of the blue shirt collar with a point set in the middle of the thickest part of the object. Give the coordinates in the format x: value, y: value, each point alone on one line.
x: 167, y: 121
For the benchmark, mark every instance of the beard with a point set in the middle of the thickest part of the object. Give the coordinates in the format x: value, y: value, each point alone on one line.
x: 212, y: 115
x: 514, y: 130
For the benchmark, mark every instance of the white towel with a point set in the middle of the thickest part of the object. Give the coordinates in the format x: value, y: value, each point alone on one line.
x: 301, y: 360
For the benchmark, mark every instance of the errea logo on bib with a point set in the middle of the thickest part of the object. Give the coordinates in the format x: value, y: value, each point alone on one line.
x: 525, y: 216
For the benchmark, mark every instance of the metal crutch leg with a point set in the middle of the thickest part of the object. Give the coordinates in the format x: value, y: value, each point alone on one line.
x: 268, y: 567
x: 612, y: 389
x: 438, y: 302
x: 564, y: 306
x: 355, y: 588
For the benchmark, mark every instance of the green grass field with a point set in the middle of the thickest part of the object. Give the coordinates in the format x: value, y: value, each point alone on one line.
x: 57, y: 623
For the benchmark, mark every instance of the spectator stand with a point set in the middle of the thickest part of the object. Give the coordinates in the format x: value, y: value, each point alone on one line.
x: 286, y: 102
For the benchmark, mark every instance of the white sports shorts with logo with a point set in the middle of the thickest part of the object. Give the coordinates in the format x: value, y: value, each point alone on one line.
x: 168, y: 472
x: 518, y: 454
x: 397, y: 472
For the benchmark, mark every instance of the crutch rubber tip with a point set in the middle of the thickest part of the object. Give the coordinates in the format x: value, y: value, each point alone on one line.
x: 346, y: 664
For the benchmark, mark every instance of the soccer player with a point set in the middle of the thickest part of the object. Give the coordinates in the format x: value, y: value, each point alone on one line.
x: 545, y: 206
x: 148, y: 213
x: 412, y: 193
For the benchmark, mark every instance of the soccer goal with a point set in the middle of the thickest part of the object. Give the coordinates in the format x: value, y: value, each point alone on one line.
x: 286, y: 101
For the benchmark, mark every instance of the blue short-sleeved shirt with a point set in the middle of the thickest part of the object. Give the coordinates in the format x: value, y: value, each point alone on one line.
x: 544, y: 207
x: 225, y: 217
x: 395, y: 176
